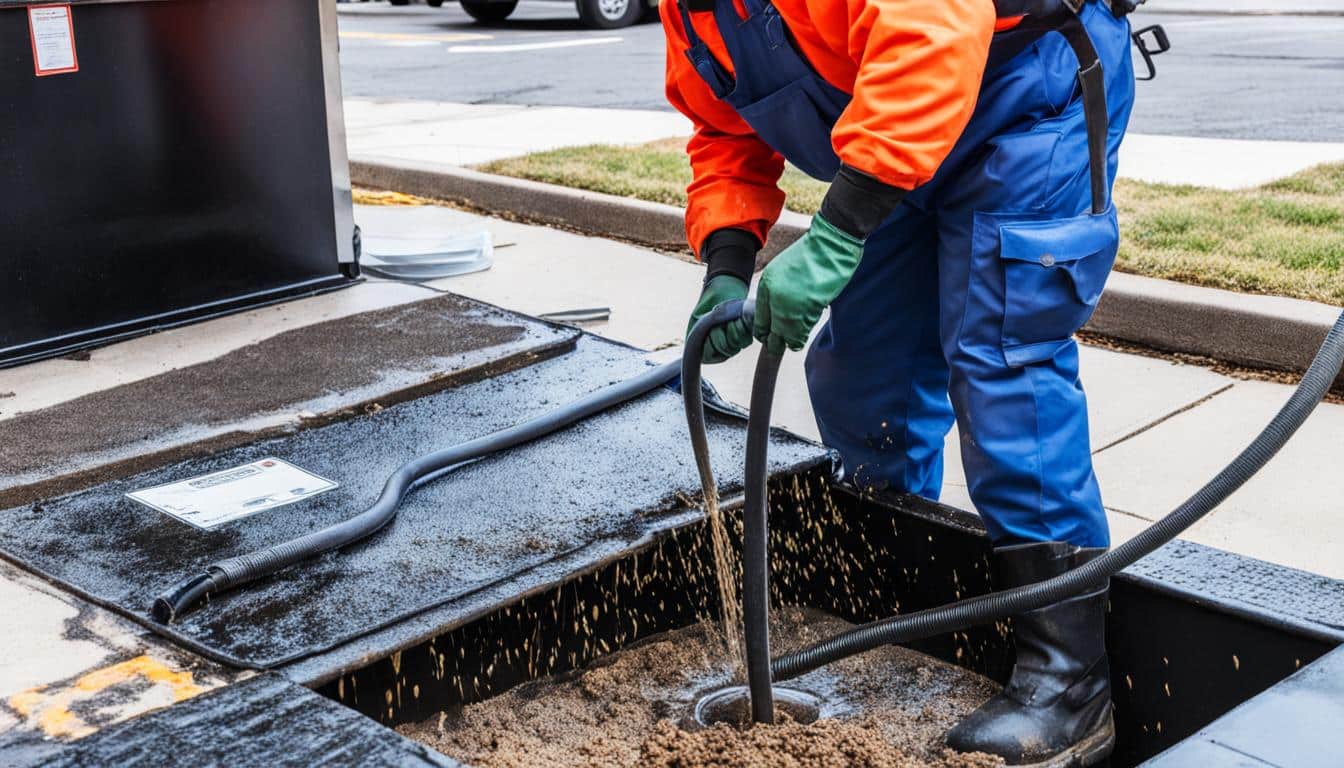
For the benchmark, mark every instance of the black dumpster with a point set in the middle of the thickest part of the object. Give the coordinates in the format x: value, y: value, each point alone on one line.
x: 163, y: 162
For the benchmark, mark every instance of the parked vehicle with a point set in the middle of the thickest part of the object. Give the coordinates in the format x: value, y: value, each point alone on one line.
x: 596, y: 14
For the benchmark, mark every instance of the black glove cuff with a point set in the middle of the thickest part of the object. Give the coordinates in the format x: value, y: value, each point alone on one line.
x: 857, y: 203
x: 730, y: 252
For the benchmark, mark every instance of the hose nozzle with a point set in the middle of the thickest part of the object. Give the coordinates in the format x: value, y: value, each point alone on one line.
x: 180, y: 597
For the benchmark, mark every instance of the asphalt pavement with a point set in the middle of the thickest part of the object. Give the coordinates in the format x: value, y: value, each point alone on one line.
x: 1275, y: 77
x: 1246, y: 77
x: 541, y: 55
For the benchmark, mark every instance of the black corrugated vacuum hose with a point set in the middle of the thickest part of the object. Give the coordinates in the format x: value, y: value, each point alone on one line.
x: 992, y: 607
x: 236, y: 571
x: 998, y: 605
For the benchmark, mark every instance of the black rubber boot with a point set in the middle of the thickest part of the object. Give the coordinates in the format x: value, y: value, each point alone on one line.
x: 1056, y: 709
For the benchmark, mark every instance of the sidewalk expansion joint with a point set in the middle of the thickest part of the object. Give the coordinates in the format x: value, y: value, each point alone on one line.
x: 1166, y: 418
x: 1127, y: 513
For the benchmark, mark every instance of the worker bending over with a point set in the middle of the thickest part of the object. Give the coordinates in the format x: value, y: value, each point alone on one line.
x: 965, y: 237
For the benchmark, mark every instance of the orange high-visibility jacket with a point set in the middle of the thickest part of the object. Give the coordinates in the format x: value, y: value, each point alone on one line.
x: 913, y: 68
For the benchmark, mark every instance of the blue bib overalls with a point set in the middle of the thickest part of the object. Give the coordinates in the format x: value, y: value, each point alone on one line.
x: 968, y: 295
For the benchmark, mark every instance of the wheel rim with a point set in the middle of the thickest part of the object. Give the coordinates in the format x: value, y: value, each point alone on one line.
x: 613, y: 10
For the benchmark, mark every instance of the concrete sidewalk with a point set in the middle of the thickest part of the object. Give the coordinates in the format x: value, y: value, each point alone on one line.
x: 469, y: 134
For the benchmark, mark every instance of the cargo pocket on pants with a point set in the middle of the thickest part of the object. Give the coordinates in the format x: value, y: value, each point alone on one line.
x: 1054, y: 273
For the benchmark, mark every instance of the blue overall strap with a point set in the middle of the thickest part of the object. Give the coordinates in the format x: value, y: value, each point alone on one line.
x: 1092, y: 86
x: 774, y: 89
x: 1063, y: 16
x: 725, y: 15
x: 753, y: 6
x: 719, y: 80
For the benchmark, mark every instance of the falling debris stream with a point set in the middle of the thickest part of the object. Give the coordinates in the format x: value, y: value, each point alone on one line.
x: 633, y: 708
x: 726, y: 569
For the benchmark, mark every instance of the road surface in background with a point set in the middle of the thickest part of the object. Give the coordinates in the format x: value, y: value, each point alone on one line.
x: 1248, y: 77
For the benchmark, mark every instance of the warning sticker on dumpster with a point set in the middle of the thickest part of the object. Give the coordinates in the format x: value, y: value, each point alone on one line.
x: 212, y: 500
x: 52, y: 31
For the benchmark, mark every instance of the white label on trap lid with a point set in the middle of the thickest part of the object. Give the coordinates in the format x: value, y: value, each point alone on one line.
x: 221, y: 497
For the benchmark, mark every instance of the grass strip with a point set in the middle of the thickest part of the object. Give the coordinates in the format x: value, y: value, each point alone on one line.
x: 1285, y: 238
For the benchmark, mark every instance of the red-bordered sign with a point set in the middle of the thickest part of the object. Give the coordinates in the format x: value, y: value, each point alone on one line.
x: 52, y: 31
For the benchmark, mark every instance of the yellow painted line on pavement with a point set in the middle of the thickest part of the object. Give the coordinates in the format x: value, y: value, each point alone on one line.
x: 50, y: 708
x: 156, y: 672
x: 450, y: 37
x: 385, y: 197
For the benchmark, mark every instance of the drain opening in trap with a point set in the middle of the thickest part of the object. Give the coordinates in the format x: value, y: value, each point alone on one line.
x: 732, y: 706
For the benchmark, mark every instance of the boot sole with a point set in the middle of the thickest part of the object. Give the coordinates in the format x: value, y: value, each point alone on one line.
x: 1091, y: 751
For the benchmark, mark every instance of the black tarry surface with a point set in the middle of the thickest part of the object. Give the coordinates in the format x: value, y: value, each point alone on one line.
x: 606, y: 480
x: 264, y: 721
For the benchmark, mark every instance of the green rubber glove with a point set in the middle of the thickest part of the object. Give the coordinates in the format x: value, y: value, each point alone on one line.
x: 726, y: 340
x: 801, y: 282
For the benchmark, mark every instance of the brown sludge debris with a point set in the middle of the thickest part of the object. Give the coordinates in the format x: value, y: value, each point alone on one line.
x: 824, y: 744
x: 892, y: 708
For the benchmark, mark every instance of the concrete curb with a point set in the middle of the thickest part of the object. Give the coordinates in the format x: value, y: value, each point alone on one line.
x: 1253, y: 331
x: 1244, y: 329
x: 653, y: 224
x: 660, y: 226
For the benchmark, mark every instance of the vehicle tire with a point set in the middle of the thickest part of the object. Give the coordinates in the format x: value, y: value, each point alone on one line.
x: 399, y: 2
x: 489, y: 12
x: 610, y: 14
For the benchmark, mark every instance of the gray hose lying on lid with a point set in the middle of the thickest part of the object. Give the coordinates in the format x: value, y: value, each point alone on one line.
x: 236, y: 571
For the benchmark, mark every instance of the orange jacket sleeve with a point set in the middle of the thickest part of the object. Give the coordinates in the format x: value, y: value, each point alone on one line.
x: 735, y: 174
x: 920, y: 65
